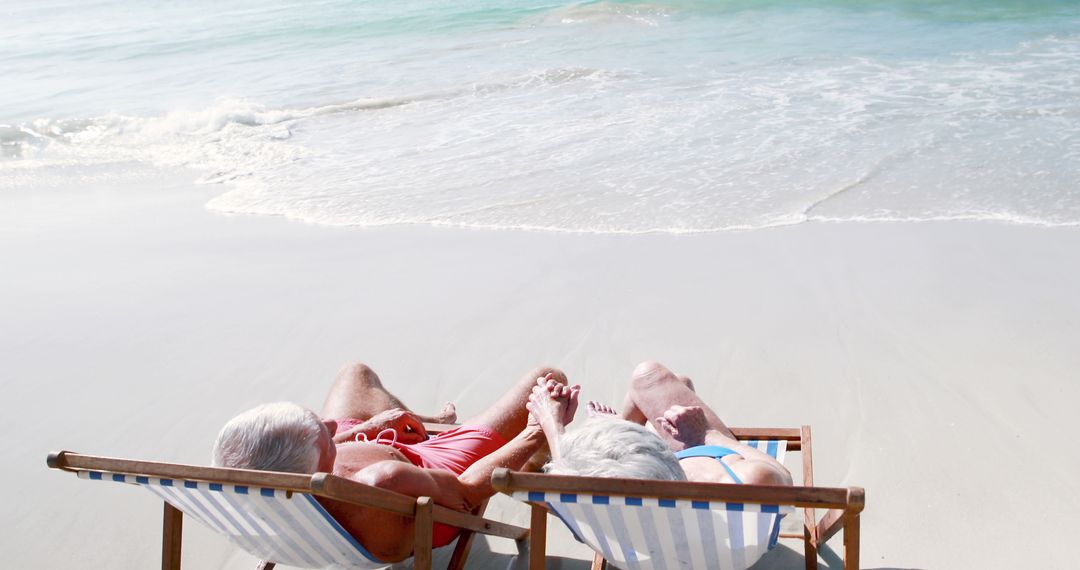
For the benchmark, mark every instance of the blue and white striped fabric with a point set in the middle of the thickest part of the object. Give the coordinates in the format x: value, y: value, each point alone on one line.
x: 635, y: 533
x: 776, y: 448
x: 284, y: 527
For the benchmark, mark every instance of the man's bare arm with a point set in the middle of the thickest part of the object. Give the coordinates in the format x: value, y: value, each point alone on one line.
x: 464, y: 492
x: 405, y: 478
x: 476, y: 480
x: 407, y: 426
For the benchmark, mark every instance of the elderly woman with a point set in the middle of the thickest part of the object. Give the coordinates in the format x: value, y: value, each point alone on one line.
x: 687, y: 440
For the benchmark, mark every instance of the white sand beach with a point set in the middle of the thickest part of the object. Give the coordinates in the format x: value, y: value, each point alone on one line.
x: 936, y: 362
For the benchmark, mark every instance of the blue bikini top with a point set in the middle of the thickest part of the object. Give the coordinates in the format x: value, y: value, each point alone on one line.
x: 713, y: 451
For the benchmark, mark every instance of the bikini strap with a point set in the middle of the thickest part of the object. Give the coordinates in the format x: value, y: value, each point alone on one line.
x: 712, y: 452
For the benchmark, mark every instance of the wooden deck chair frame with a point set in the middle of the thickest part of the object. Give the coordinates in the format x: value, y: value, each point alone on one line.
x: 843, y: 505
x: 423, y: 509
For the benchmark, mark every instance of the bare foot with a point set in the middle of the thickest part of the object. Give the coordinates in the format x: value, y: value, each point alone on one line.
x: 448, y: 414
x: 686, y: 424
x: 599, y: 409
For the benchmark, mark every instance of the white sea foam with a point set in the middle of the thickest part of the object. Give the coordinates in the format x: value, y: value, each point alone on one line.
x: 693, y: 126
x: 601, y: 13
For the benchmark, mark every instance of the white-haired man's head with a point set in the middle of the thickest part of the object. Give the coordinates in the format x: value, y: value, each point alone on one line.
x: 610, y: 447
x: 276, y: 437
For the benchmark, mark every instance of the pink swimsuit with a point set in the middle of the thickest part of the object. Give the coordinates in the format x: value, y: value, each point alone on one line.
x: 452, y: 451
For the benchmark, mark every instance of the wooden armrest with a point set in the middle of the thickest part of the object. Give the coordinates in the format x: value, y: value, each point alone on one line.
x: 341, y: 489
x: 814, y: 497
x: 478, y: 524
x: 433, y: 428
x: 833, y: 520
x: 70, y: 461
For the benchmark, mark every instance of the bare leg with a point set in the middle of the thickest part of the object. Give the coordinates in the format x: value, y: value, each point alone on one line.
x: 358, y: 393
x: 508, y: 416
x: 654, y: 389
x: 632, y: 413
x: 689, y: 383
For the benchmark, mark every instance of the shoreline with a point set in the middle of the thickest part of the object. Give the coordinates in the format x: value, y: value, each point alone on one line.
x: 139, y: 321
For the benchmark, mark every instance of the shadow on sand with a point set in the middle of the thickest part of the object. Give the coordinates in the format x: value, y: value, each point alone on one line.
x: 780, y: 558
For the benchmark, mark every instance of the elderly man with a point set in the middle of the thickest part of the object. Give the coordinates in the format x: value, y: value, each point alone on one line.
x: 368, y: 435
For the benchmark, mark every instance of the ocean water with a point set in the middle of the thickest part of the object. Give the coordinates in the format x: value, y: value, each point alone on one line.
x: 603, y: 116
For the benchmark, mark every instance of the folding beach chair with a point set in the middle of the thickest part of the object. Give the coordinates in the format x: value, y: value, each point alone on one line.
x: 638, y: 524
x: 275, y: 516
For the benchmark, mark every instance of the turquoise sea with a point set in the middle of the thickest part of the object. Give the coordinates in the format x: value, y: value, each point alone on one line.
x: 673, y: 116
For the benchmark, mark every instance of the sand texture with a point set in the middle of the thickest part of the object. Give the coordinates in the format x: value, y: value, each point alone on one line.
x: 936, y: 362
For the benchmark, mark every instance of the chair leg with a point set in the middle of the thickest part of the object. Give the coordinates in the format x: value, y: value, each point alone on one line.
x: 809, y: 516
x: 461, y: 550
x: 171, y: 537
x: 851, y: 541
x: 809, y: 549
x: 265, y: 565
x: 598, y: 562
x: 538, y: 538
x: 464, y: 543
x: 423, y: 523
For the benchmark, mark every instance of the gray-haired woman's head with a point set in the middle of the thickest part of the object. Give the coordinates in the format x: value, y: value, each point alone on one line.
x: 271, y: 437
x: 610, y: 447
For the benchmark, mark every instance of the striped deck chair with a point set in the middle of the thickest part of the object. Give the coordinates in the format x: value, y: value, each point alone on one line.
x: 656, y: 525
x: 275, y: 516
